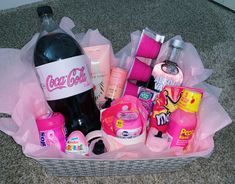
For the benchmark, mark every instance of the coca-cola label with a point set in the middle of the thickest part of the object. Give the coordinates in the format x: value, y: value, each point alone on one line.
x: 64, y: 78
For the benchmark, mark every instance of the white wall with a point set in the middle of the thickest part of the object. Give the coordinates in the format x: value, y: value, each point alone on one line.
x: 6, y: 4
x: 228, y: 3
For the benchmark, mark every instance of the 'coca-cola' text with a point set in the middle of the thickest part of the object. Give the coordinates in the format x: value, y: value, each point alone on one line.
x: 76, y: 76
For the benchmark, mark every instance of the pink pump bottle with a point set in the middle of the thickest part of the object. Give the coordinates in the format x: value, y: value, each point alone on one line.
x: 117, y: 81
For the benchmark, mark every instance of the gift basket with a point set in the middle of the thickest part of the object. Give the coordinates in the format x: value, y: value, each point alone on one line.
x: 81, y: 110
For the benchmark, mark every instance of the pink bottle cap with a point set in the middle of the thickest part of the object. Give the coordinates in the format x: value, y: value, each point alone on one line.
x: 140, y: 71
x: 50, y: 121
x: 130, y: 89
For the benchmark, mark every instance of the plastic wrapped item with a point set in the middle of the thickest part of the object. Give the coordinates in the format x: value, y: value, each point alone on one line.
x: 124, y: 118
x: 189, y: 61
x: 99, y: 51
x: 166, y: 103
x: 147, y: 98
x: 76, y: 144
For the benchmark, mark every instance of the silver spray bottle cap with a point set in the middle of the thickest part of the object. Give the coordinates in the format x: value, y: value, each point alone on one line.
x: 176, y: 43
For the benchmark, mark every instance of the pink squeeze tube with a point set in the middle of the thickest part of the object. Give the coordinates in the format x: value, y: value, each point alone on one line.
x: 52, y: 130
x: 100, y: 70
x: 149, y: 44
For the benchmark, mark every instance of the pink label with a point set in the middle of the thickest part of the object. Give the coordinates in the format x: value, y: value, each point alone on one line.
x: 182, y: 138
x: 53, y: 137
x: 116, y: 83
x: 128, y: 124
x: 163, y: 79
x: 129, y: 133
x: 181, y: 127
x: 64, y: 78
x: 127, y: 115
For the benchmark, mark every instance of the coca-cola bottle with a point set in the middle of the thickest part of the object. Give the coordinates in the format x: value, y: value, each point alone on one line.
x: 64, y: 76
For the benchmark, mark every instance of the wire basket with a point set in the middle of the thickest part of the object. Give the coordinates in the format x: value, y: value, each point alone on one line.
x: 111, y: 167
x: 89, y: 167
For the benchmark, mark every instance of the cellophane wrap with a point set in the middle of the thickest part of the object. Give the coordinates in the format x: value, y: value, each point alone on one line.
x: 22, y: 98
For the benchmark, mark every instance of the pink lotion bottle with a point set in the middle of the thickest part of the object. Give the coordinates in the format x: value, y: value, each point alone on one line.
x: 168, y: 72
x: 183, y: 121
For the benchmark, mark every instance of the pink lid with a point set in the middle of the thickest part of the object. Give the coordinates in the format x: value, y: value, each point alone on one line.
x: 50, y: 121
x: 131, y: 89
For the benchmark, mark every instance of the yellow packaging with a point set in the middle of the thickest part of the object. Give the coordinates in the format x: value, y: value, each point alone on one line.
x: 190, y: 101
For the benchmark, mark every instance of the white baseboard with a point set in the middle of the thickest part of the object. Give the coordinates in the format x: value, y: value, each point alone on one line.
x: 227, y: 3
x: 7, y: 4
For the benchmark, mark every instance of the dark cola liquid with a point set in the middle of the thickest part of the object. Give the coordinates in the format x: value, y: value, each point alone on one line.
x: 80, y: 111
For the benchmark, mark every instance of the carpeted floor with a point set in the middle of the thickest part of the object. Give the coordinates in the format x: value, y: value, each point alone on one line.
x: 209, y: 27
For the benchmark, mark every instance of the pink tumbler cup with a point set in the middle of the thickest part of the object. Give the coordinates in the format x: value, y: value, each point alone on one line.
x: 148, y: 47
x: 140, y: 71
x: 130, y: 89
